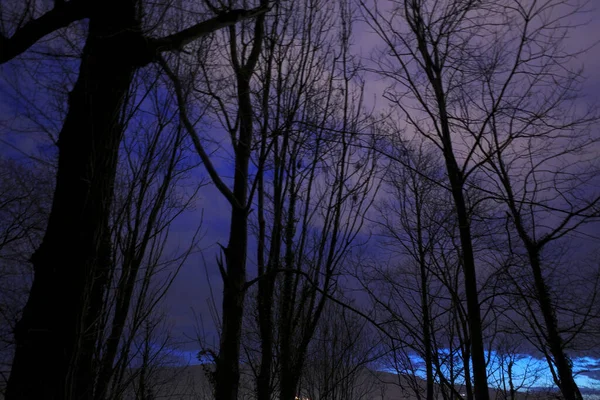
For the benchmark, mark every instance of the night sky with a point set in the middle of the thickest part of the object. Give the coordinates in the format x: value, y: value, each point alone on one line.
x: 190, y: 293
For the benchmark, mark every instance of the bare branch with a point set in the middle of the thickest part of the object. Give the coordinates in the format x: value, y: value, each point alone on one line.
x: 212, y: 172
x: 62, y: 15
x: 177, y: 41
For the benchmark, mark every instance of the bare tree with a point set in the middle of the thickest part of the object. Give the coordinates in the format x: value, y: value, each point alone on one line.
x: 151, y: 192
x: 25, y: 197
x: 313, y: 185
x: 317, y: 184
x: 338, y: 361
x: 414, y: 280
x: 486, y: 83
x: 234, y: 108
x: 424, y: 66
x: 540, y: 154
x: 72, y: 263
x: 413, y: 221
x: 154, y: 188
x: 513, y: 373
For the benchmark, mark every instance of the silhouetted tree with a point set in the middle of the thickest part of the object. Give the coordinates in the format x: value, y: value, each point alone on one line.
x: 540, y: 156
x: 314, y: 183
x: 423, y: 55
x: 25, y: 197
x: 236, y: 111
x: 414, y: 280
x: 55, y: 336
x: 485, y: 82
x: 340, y: 356
x: 153, y: 188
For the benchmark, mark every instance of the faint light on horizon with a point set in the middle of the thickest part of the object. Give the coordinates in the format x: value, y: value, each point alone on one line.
x: 525, y: 369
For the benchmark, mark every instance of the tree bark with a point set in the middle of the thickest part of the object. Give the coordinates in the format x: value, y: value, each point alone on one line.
x: 475, y: 326
x: 234, y: 278
x: 565, y: 382
x: 56, y: 335
x: 228, y: 370
x: 456, y: 177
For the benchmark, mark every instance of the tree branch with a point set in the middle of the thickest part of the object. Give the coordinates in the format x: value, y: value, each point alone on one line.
x: 212, y: 172
x: 62, y: 15
x: 178, y: 40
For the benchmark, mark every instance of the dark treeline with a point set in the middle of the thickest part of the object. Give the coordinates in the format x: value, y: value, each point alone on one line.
x: 443, y: 232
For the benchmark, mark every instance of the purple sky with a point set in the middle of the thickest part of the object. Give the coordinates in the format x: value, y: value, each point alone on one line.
x: 191, y: 288
x: 190, y: 292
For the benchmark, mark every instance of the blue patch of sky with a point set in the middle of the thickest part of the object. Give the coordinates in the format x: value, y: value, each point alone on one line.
x: 528, y: 371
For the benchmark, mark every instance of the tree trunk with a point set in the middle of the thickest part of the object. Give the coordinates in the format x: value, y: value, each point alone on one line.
x: 266, y: 286
x: 427, y: 341
x: 564, y: 380
x: 56, y: 336
x: 265, y: 300
x: 468, y: 259
x: 566, y: 383
x: 456, y: 178
x: 511, y: 383
x: 427, y: 337
x: 288, y: 385
x: 228, y: 370
x: 475, y: 325
x: 234, y: 291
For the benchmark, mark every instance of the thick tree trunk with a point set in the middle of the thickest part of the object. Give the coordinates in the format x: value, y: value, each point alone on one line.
x: 56, y: 339
x: 57, y: 334
x: 566, y: 383
x: 288, y: 386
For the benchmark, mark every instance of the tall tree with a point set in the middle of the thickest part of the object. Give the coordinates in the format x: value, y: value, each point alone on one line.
x: 497, y: 100
x: 235, y: 109
x: 153, y: 188
x: 416, y: 226
x: 414, y: 280
x: 425, y: 66
x: 314, y: 184
x: 540, y: 155
x: 55, y: 336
